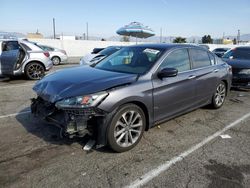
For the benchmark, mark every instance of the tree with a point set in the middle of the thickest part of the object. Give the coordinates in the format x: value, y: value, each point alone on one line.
x: 234, y: 41
x: 206, y: 39
x: 125, y: 39
x: 179, y: 40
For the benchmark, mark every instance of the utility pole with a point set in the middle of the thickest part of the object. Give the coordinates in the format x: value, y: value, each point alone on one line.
x: 54, y: 28
x: 238, y: 37
x: 87, y: 30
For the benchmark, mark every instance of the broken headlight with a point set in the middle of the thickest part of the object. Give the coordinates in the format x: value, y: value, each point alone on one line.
x: 82, y: 101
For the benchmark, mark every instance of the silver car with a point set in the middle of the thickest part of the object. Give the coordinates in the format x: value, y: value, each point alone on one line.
x: 57, y: 56
x: 20, y: 57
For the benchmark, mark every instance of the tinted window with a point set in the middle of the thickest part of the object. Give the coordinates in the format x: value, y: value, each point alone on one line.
x: 109, y: 50
x: 238, y: 53
x: 11, y: 45
x: 134, y: 60
x: 178, y: 59
x: 200, y: 58
x: 212, y: 58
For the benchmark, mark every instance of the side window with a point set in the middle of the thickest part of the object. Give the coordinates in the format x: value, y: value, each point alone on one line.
x: 200, y: 58
x: 212, y: 59
x: 178, y: 59
x: 11, y: 45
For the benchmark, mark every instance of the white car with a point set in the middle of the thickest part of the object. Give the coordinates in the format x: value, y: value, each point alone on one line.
x: 23, y: 57
x: 93, y: 58
x: 57, y: 56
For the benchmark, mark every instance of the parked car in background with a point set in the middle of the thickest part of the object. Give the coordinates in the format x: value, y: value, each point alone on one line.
x: 97, y: 50
x: 23, y: 57
x: 239, y: 59
x: 95, y: 57
x: 57, y: 56
x: 130, y: 91
x: 220, y: 51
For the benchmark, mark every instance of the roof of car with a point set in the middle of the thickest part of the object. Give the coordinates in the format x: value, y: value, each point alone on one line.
x: 166, y: 45
x: 243, y: 47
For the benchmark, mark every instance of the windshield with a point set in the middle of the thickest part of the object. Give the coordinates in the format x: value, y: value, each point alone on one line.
x: 133, y: 60
x: 109, y: 50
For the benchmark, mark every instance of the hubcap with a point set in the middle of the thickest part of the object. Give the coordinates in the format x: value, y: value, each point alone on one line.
x: 220, y: 94
x: 128, y: 128
x: 56, y: 61
x: 35, y: 71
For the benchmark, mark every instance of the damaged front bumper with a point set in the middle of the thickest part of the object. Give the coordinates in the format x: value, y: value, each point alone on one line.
x: 73, y: 121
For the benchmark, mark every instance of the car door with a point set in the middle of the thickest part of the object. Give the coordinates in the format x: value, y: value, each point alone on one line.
x: 9, y: 57
x: 174, y: 95
x: 207, y: 74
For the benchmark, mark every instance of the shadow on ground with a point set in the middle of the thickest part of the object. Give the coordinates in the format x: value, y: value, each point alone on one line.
x: 50, y: 133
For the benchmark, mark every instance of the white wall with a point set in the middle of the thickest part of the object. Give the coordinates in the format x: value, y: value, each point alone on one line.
x: 79, y: 48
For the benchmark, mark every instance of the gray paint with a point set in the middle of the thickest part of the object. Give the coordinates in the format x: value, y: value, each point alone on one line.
x: 163, y: 98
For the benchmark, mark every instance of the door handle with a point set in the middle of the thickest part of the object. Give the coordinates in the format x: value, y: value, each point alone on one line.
x: 216, y: 70
x: 191, y: 77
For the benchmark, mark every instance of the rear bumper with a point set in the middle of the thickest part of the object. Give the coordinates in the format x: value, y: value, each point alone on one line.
x: 241, y: 81
x: 64, y: 58
x: 49, y: 65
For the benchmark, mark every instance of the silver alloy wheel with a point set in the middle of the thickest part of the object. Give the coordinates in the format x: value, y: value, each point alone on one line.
x: 220, y: 94
x: 35, y: 71
x: 56, y: 61
x: 128, y: 128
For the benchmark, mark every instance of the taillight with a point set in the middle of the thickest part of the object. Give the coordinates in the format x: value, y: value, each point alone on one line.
x: 46, y: 54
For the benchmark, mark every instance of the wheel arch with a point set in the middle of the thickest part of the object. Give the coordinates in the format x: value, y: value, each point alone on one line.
x: 103, y: 129
x: 55, y: 56
x: 227, y: 87
x: 34, y: 61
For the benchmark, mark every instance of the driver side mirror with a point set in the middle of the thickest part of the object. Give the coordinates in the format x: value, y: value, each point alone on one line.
x: 167, y: 72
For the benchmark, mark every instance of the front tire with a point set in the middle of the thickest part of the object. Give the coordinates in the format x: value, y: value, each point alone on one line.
x: 35, y: 71
x: 126, y: 128
x: 219, y: 95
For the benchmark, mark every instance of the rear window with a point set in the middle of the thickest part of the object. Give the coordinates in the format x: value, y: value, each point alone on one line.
x: 200, y: 58
x: 238, y: 53
x: 26, y: 47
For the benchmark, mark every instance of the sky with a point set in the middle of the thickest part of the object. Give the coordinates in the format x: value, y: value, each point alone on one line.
x: 184, y: 18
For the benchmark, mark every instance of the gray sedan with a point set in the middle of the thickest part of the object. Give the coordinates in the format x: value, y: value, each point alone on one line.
x: 132, y: 90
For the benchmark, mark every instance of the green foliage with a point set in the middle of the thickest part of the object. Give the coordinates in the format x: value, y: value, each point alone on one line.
x: 206, y: 39
x: 179, y: 40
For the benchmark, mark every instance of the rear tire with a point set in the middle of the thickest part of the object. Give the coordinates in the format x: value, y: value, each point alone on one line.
x: 219, y: 95
x: 126, y: 128
x: 34, y: 71
x: 56, y: 60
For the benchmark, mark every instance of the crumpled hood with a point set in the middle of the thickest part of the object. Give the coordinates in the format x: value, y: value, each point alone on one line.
x: 79, y: 81
x: 238, y: 63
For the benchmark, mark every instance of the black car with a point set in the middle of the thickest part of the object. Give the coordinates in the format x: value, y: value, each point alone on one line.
x: 220, y: 51
x: 130, y: 91
x: 239, y: 59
